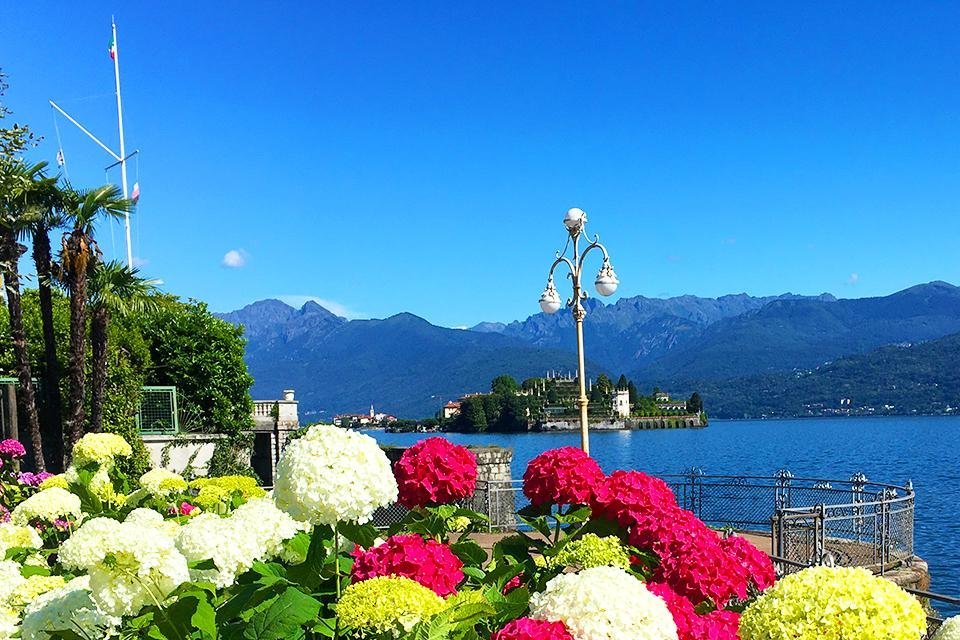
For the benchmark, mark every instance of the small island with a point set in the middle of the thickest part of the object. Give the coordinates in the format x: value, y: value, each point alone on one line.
x: 549, y: 403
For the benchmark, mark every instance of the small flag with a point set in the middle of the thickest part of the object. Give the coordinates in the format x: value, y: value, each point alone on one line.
x: 113, y: 49
x: 60, y: 159
x: 135, y: 194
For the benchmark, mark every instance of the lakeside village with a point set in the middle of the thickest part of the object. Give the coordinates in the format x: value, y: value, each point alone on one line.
x: 545, y: 404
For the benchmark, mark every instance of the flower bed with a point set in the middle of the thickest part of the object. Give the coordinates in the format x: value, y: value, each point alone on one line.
x: 91, y: 554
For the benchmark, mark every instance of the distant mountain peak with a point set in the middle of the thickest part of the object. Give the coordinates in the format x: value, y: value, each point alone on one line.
x: 311, y: 307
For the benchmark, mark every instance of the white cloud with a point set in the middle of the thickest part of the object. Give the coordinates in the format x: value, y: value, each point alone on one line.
x: 234, y: 259
x: 139, y: 262
x: 461, y: 327
x: 853, y: 279
x: 334, y: 307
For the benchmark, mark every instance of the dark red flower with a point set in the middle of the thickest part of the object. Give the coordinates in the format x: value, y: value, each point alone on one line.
x: 561, y: 476
x: 530, y: 629
x: 512, y: 583
x: 428, y: 562
x: 435, y: 471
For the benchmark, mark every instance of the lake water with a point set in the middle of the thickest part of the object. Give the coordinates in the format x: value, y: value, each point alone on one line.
x: 892, y: 450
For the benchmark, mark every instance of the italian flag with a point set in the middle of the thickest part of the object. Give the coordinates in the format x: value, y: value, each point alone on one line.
x: 113, y: 49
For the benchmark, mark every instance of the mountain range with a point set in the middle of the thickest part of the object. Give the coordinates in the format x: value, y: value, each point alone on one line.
x: 409, y: 367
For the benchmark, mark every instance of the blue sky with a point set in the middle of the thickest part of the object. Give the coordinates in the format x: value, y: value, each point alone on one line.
x: 420, y: 156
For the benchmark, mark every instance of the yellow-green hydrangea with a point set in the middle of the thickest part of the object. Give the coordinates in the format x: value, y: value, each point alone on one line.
x: 949, y: 630
x: 161, y: 483
x: 33, y: 587
x: 16, y: 536
x: 591, y: 551
x: 833, y: 603
x: 457, y: 523
x: 213, y: 492
x: 387, y: 605
x: 59, y: 481
x: 101, y: 448
x: 100, y: 484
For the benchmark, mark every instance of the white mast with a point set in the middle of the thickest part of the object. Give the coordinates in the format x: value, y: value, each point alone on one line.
x: 123, y: 154
x: 122, y: 157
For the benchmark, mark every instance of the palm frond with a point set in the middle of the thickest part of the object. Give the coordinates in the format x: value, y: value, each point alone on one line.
x: 121, y: 290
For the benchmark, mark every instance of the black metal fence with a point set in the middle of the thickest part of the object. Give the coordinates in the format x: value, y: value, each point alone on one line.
x: 811, y: 521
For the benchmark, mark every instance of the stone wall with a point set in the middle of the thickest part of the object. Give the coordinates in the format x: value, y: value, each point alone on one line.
x: 659, y: 422
x: 182, y: 453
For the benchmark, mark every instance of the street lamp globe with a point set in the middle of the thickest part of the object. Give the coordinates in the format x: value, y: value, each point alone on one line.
x: 607, y: 280
x: 575, y: 219
x: 550, y: 299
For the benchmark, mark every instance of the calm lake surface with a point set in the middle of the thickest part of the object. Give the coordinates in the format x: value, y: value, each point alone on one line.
x: 925, y: 450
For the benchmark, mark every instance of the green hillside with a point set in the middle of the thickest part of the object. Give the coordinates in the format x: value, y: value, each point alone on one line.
x: 903, y: 379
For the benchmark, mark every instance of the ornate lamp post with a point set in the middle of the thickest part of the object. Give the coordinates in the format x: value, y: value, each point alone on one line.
x: 576, y: 221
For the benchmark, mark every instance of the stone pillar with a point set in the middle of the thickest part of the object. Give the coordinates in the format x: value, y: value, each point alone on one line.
x: 495, y: 495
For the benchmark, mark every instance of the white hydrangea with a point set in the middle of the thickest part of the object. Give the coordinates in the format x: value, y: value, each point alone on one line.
x: 154, y: 520
x: 47, y: 505
x: 273, y: 527
x: 13, y: 536
x: 604, y: 603
x: 10, y: 578
x: 161, y: 483
x: 9, y: 622
x: 203, y: 538
x: 949, y: 630
x: 85, y: 547
x: 331, y: 475
x: 69, y: 607
x: 129, y: 565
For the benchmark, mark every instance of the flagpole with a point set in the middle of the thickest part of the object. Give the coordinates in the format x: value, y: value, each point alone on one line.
x: 123, y: 154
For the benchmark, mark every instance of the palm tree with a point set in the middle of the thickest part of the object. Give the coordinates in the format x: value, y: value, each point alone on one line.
x: 78, y: 251
x: 23, y: 189
x: 47, y: 218
x: 115, y: 290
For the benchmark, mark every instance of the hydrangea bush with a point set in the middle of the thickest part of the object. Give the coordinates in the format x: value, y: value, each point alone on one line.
x: 91, y: 554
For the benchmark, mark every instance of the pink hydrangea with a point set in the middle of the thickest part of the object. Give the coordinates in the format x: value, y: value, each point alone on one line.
x: 428, y: 562
x: 699, y: 568
x: 627, y: 495
x: 682, y: 610
x: 10, y: 449
x: 716, y: 625
x: 561, y: 476
x: 756, y: 562
x: 720, y: 625
x: 4, y: 514
x: 530, y: 629
x: 435, y: 471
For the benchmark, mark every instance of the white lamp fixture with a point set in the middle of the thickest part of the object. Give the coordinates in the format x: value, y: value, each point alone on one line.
x: 607, y: 280
x: 550, y: 299
x: 575, y: 219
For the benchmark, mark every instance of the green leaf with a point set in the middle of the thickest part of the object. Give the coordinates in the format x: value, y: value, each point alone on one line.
x: 190, y: 616
x: 362, y: 534
x: 474, y: 572
x: 284, y: 618
x: 471, y: 553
